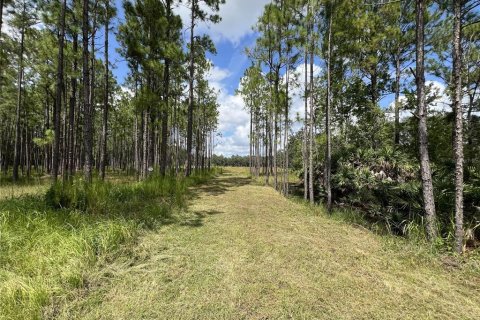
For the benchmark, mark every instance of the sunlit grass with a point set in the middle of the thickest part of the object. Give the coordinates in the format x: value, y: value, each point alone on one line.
x: 47, y: 252
x: 16, y: 190
x: 242, y: 251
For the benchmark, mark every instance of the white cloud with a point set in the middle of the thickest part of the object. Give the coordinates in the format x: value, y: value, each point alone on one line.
x: 238, y: 17
x: 233, y: 118
x: 217, y: 74
x: 235, y: 144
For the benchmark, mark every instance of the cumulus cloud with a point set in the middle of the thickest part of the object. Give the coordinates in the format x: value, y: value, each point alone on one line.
x: 233, y: 118
x: 236, y: 143
x: 238, y: 17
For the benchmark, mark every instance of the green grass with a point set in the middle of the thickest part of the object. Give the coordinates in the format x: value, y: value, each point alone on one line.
x: 49, y: 249
x: 242, y: 251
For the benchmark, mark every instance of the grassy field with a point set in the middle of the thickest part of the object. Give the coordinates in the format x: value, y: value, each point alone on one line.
x: 242, y: 251
x: 48, y: 254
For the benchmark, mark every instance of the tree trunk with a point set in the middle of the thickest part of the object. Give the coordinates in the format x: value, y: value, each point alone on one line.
x: 103, y: 157
x: 285, y: 149
x: 305, y: 135
x: 95, y: 153
x: 251, y: 141
x: 397, y: 98
x: 59, y: 92
x: 427, y: 185
x: 88, y: 125
x: 188, y: 169
x: 166, y: 98
x: 71, y: 114
x: 145, y: 145
x: 458, y: 110
x: 311, y: 133
x: 16, y: 157
x: 1, y: 16
x: 328, y: 153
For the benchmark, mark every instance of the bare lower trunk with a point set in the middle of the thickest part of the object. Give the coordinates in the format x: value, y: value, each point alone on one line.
x: 188, y: 169
x: 71, y: 114
x: 311, y: 133
x: 1, y: 16
x: 251, y: 142
x: 16, y: 157
x: 328, y: 153
x: 397, y: 99
x: 285, y: 146
x: 458, y: 109
x: 103, y: 154
x: 166, y: 98
x: 88, y: 121
x: 428, y: 197
x: 145, y: 145
x: 305, y: 135
x: 1, y: 24
x: 59, y: 92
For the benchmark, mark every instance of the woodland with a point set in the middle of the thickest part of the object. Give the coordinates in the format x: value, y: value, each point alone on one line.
x: 111, y: 190
x: 411, y: 163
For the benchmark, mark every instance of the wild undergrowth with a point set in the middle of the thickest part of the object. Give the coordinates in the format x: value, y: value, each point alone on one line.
x: 50, y: 241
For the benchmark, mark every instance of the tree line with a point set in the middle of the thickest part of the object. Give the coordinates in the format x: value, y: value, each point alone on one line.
x: 414, y: 161
x: 62, y: 110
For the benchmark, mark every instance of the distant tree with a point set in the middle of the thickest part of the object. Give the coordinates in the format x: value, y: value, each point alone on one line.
x: 24, y: 18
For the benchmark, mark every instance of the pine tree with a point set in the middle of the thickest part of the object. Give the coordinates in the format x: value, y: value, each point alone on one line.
x: 426, y: 173
x: 59, y: 89
x: 458, y: 131
x: 196, y: 14
x: 87, y: 103
x: 23, y: 20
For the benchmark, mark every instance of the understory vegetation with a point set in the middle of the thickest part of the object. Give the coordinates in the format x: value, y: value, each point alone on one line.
x: 49, y: 242
x: 383, y: 185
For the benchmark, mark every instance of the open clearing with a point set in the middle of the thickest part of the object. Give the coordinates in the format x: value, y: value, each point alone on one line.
x: 245, y: 252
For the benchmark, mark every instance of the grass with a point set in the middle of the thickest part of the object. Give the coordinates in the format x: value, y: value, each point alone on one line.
x: 242, y: 251
x: 11, y: 190
x: 47, y: 253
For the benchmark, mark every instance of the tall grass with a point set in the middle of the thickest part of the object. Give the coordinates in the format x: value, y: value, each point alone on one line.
x: 50, y: 242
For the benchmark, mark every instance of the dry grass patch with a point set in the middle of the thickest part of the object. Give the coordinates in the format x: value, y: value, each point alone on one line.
x: 242, y: 251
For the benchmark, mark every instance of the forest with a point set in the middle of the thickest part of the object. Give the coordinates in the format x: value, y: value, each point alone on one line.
x: 360, y: 171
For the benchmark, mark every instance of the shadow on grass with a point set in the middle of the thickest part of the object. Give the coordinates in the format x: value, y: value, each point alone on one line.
x: 219, y: 186
x: 196, y: 220
x: 74, y: 239
x: 144, y: 213
x: 214, y: 187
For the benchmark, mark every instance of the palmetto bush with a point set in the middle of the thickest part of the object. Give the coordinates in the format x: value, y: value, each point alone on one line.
x: 383, y: 183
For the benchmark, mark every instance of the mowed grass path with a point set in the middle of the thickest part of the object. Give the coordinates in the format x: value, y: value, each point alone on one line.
x: 245, y: 252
